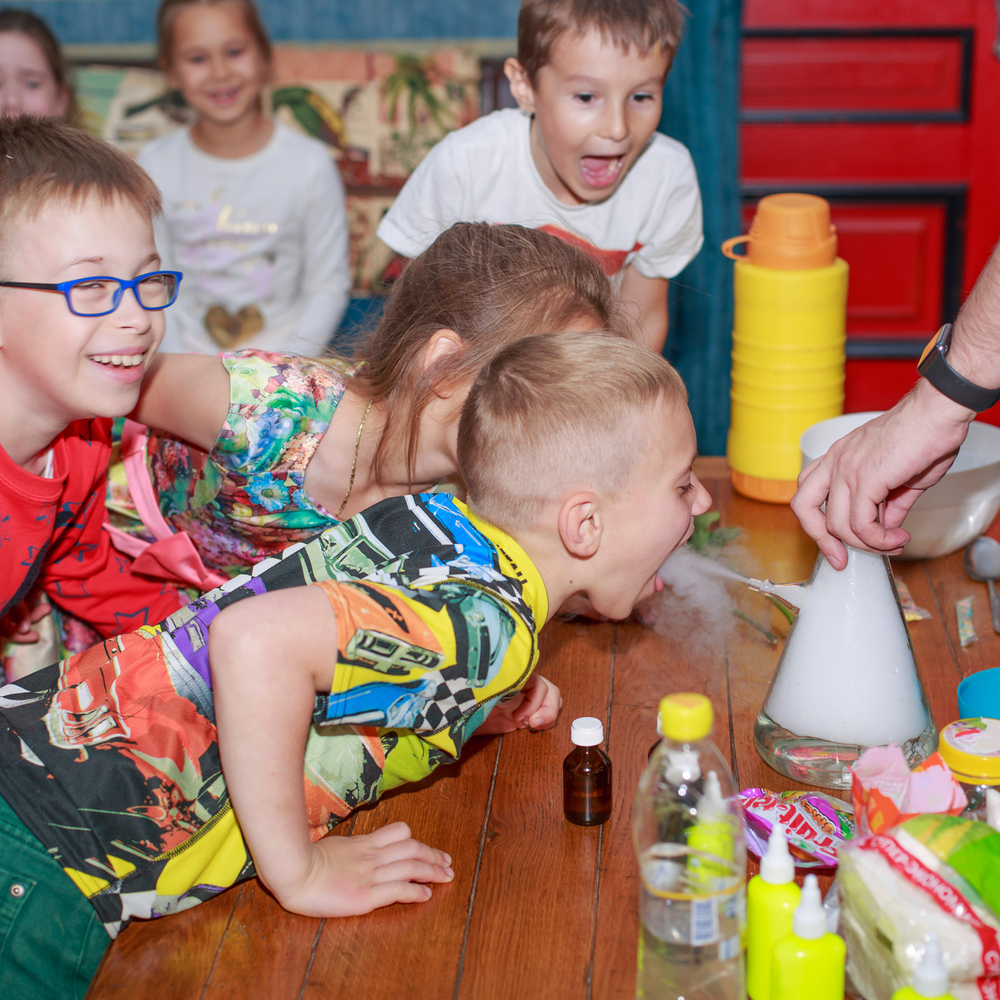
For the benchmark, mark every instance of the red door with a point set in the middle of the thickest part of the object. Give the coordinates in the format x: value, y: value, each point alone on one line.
x: 891, y: 111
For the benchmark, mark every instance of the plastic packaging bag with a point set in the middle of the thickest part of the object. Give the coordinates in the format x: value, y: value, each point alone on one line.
x: 932, y: 873
x: 885, y: 792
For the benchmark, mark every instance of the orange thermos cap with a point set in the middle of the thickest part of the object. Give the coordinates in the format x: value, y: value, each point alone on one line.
x: 789, y: 232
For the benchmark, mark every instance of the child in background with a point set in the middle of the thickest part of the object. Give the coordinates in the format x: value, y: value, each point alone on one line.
x: 254, y: 213
x: 397, y: 633
x: 276, y: 448
x: 581, y: 158
x: 34, y: 77
x: 74, y: 344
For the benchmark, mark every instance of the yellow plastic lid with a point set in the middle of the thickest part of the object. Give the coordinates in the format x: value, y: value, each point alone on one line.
x: 685, y: 717
x: 971, y: 748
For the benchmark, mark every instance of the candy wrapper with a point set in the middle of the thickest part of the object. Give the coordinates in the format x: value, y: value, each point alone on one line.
x: 911, y: 612
x: 966, y: 630
x: 884, y: 791
x: 816, y: 825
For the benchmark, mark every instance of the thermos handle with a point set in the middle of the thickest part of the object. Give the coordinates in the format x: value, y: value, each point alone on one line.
x: 727, y: 247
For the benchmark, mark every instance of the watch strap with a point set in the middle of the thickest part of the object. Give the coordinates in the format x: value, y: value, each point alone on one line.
x: 934, y: 367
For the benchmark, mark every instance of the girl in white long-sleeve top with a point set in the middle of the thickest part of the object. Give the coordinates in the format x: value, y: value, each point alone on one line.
x: 254, y: 213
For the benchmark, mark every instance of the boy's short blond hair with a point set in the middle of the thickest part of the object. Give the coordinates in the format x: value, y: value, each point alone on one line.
x: 558, y: 412
x: 44, y: 160
x: 645, y: 24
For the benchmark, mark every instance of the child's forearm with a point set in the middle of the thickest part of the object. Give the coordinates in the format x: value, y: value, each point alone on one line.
x: 645, y: 303
x: 269, y: 656
x: 186, y: 395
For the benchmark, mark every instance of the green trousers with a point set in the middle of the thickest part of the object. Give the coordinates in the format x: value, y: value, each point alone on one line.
x: 51, y: 941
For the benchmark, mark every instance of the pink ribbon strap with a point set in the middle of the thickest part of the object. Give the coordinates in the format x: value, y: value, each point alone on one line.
x: 173, y: 555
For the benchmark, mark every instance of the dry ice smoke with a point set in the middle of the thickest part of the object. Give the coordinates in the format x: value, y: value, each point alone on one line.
x: 695, y: 609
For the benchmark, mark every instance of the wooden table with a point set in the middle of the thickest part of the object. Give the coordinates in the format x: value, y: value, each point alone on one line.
x: 539, y: 908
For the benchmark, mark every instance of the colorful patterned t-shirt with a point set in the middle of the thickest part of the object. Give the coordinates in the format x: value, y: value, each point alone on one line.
x: 246, y: 500
x: 111, y: 757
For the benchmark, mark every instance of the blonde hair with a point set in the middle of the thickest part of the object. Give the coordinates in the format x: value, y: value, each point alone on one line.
x: 489, y: 284
x: 555, y: 413
x: 44, y: 160
x: 645, y: 24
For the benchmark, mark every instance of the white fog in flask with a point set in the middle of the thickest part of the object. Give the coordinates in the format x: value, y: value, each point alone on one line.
x: 846, y: 679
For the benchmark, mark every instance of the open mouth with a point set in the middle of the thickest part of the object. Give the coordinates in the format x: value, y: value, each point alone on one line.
x: 224, y: 96
x: 601, y: 171
x: 118, y: 360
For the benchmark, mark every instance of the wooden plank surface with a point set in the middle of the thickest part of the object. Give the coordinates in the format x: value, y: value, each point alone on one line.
x: 538, y: 908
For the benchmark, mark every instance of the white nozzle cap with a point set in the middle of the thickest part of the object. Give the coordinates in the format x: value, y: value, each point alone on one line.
x: 809, y: 921
x: 930, y: 977
x: 777, y: 866
x: 993, y: 808
x: 587, y: 732
x: 712, y: 806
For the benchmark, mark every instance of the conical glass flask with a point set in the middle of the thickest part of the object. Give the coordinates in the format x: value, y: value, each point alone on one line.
x: 846, y: 679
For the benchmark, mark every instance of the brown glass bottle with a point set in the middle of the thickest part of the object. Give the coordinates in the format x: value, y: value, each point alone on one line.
x: 587, y: 776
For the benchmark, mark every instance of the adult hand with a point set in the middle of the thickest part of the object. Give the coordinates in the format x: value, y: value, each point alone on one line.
x: 871, y: 478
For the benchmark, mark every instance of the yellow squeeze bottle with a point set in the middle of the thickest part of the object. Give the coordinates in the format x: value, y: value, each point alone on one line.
x: 809, y: 963
x: 930, y: 977
x: 711, y: 837
x: 772, y: 897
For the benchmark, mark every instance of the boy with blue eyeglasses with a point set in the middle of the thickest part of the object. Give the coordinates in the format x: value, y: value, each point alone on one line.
x: 81, y: 315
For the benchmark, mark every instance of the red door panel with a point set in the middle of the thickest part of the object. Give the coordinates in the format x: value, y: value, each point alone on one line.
x: 895, y: 253
x: 855, y: 74
x: 877, y: 385
x: 891, y: 111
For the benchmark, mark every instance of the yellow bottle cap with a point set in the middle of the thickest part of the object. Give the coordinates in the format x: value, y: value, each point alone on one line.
x: 971, y: 748
x: 685, y: 717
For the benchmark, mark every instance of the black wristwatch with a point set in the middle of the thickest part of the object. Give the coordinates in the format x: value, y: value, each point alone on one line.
x: 934, y: 367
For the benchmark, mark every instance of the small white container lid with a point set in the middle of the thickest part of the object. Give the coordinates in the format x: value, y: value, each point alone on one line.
x: 809, y: 919
x: 777, y: 866
x: 930, y: 977
x: 587, y: 731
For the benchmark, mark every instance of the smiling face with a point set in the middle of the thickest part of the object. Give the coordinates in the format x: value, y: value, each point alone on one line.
x: 595, y: 107
x: 54, y: 365
x: 216, y: 63
x: 642, y: 527
x: 27, y: 85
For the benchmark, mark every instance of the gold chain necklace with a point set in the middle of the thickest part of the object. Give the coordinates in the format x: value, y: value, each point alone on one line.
x: 354, y: 467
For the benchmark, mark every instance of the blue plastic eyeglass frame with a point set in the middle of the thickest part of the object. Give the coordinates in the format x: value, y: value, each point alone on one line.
x: 123, y: 285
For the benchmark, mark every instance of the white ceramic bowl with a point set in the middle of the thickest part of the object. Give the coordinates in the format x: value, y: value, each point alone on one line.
x: 952, y: 512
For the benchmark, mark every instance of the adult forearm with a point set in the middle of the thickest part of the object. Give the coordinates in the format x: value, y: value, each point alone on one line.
x: 975, y: 347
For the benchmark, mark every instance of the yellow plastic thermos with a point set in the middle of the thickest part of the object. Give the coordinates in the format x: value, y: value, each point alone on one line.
x: 788, y: 341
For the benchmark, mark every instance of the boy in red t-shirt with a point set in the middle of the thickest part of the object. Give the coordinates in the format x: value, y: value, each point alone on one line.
x: 81, y: 301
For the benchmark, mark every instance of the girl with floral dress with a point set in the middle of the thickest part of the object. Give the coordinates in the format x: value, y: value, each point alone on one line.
x: 255, y: 451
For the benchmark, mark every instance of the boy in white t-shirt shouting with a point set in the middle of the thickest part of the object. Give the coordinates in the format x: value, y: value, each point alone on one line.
x: 581, y: 158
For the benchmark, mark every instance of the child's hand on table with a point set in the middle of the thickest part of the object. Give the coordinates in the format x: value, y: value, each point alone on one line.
x: 349, y: 876
x: 535, y: 706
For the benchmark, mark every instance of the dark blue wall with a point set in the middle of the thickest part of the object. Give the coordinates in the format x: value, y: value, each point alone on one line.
x: 124, y: 21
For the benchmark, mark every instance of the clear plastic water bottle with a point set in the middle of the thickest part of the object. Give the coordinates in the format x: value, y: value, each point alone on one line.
x: 688, y: 830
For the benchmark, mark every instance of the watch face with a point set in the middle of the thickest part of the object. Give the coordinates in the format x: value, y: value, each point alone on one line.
x: 931, y: 344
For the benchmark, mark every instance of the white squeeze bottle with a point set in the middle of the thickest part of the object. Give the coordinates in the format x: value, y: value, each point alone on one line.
x: 688, y: 833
